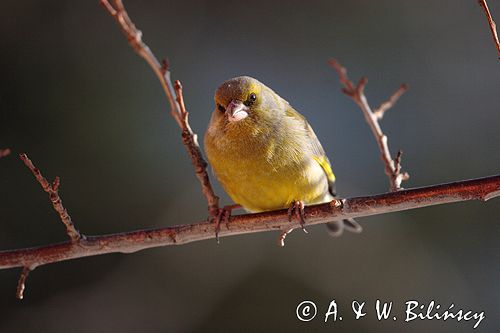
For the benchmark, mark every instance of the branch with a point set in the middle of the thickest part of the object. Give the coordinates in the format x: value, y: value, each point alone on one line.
x: 475, y: 189
x: 380, y: 111
x: 356, y: 92
x: 491, y: 23
x: 53, y: 192
x: 174, y: 97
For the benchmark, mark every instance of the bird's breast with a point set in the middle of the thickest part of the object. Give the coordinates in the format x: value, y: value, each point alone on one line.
x: 267, y: 174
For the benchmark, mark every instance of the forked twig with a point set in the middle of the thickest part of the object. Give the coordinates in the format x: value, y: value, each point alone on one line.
x: 174, y: 97
x: 356, y: 92
x: 52, y: 189
x: 53, y: 192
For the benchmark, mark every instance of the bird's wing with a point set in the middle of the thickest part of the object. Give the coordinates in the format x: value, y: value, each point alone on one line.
x: 318, y: 153
x: 335, y: 228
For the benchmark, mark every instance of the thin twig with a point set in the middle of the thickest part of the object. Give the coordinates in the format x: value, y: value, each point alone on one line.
x: 21, y: 283
x: 53, y: 192
x: 190, y: 141
x: 281, y: 239
x: 476, y: 189
x: 356, y: 92
x: 491, y: 23
x: 4, y: 152
x: 174, y: 97
x: 380, y: 111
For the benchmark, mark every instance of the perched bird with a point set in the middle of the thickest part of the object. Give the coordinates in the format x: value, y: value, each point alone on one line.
x: 265, y: 154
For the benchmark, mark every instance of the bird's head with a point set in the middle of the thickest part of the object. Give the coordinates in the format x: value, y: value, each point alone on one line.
x: 244, y: 103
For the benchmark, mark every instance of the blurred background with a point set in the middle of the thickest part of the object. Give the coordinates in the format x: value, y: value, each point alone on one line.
x: 77, y: 99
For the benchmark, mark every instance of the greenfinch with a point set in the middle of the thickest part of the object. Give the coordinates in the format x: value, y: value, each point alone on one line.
x: 265, y: 154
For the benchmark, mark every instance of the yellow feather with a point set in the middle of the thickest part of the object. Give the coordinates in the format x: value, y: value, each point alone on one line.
x: 269, y: 159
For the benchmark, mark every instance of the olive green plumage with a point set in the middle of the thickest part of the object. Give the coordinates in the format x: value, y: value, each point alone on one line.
x: 264, y: 153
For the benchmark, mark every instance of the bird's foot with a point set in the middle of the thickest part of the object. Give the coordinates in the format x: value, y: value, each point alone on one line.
x: 297, y: 208
x: 222, y: 215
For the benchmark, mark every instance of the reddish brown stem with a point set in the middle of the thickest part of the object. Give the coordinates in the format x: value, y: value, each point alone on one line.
x: 53, y: 192
x: 480, y: 189
x: 380, y: 111
x: 174, y: 96
x: 190, y: 141
x: 356, y: 92
x: 21, y: 283
x: 491, y: 23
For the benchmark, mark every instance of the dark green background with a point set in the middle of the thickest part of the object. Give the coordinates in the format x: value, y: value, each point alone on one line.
x: 76, y: 98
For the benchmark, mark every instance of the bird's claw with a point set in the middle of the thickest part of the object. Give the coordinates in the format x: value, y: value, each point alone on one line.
x: 297, y: 208
x: 222, y: 215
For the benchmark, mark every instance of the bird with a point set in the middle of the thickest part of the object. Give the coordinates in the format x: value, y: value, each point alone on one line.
x: 265, y: 154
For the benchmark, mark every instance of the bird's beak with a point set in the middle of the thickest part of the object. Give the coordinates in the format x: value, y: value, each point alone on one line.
x: 236, y: 110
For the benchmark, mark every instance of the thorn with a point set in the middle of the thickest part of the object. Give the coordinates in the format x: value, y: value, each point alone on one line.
x: 362, y: 83
x: 177, y: 85
x: 55, y: 184
x: 21, y: 284
x: 397, y: 162
x: 281, y: 239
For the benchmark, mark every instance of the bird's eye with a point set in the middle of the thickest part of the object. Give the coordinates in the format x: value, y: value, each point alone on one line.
x: 221, y: 108
x: 251, y: 99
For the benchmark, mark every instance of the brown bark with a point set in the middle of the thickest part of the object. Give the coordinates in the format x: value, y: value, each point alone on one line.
x: 128, y: 242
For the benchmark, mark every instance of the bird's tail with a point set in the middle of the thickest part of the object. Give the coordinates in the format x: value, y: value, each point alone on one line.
x: 336, y: 228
